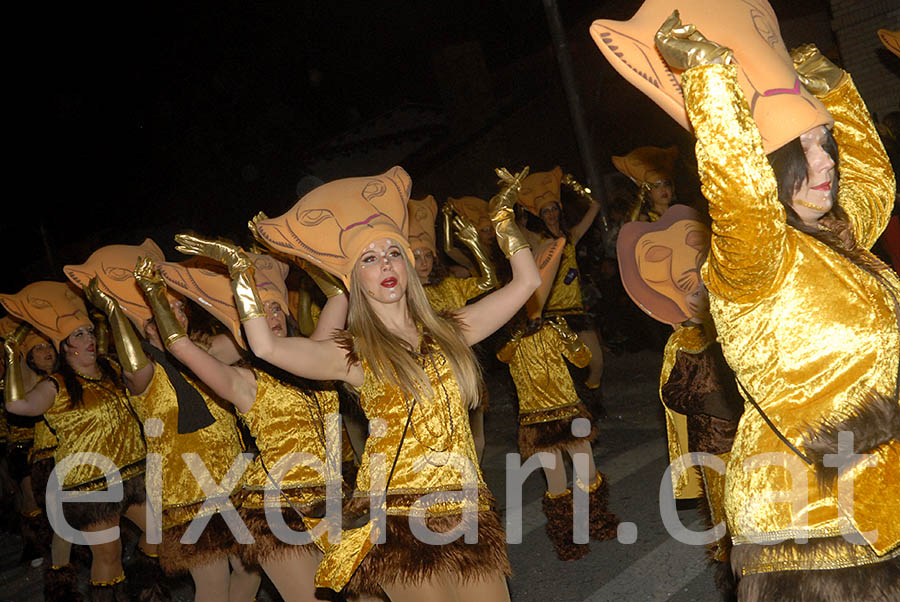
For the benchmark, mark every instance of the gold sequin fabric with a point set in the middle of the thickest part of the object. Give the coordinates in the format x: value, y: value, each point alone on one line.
x: 103, y: 424
x: 565, y: 294
x: 216, y: 446
x: 438, y: 449
x: 808, y: 333
x: 286, y: 421
x: 452, y: 293
x: 690, y: 339
x: 537, y: 364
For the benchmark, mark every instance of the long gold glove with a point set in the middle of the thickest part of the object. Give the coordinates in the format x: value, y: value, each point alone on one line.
x: 468, y: 235
x: 816, y: 72
x: 240, y: 268
x: 101, y: 331
x: 128, y: 345
x: 304, y: 312
x: 154, y: 287
x: 509, y: 238
x: 15, y: 387
x: 447, y: 213
x: 683, y: 47
x: 568, y: 336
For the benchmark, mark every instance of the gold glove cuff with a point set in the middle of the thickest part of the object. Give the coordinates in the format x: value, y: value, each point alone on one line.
x: 509, y: 238
x: 128, y: 345
x: 170, y: 329
x: 488, y: 278
x: 246, y: 298
x: 15, y: 387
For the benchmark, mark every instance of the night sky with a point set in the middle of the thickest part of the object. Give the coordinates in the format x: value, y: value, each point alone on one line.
x: 133, y: 117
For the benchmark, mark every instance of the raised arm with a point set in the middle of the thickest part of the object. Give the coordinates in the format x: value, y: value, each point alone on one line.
x: 749, y: 227
x: 447, y: 239
x: 867, y: 182
x: 579, y: 229
x: 492, y: 311
x: 36, y: 401
x: 316, y: 360
x: 137, y: 369
x: 468, y: 235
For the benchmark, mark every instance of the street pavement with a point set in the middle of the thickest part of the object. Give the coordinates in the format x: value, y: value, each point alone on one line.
x: 631, y: 451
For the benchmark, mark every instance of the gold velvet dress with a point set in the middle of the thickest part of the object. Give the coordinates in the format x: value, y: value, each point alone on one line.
x: 173, y: 484
x: 565, y: 294
x: 548, y: 402
x: 452, y: 293
x: 437, y: 456
x: 103, y: 424
x: 285, y: 421
x: 812, y: 337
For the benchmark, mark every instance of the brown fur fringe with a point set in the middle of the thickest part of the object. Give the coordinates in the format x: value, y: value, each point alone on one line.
x: 603, y: 523
x: 61, y: 585
x: 554, y: 435
x: 267, y: 545
x: 878, y: 582
x: 215, y: 542
x: 40, y: 473
x: 405, y: 559
x: 81, y: 515
x: 875, y: 422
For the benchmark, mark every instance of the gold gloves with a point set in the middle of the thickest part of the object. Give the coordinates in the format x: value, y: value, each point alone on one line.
x: 816, y: 72
x: 304, y: 312
x: 468, y: 235
x: 154, y: 287
x: 568, y: 336
x: 101, y: 331
x: 240, y: 268
x: 683, y: 47
x: 128, y: 345
x: 15, y: 388
x: 503, y: 216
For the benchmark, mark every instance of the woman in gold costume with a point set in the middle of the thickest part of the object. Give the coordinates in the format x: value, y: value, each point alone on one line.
x: 290, y: 475
x: 445, y: 291
x: 182, y: 422
x: 540, y: 196
x: 416, y: 376
x: 652, y: 169
x: 807, y: 316
x: 86, y: 405
x: 548, y: 409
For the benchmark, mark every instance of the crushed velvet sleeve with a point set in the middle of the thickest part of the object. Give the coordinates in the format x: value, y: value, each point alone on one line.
x: 867, y: 182
x: 748, y: 242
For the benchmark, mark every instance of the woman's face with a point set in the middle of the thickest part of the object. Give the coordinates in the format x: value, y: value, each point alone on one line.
x: 276, y: 318
x: 43, y: 355
x: 550, y: 214
x: 815, y: 196
x: 381, y: 270
x: 81, y: 347
x: 424, y: 263
x: 662, y: 194
x: 697, y: 302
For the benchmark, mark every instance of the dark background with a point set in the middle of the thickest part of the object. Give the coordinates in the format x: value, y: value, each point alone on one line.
x: 144, y: 119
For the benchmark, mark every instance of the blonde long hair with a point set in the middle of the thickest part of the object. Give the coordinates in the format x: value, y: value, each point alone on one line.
x: 389, y: 356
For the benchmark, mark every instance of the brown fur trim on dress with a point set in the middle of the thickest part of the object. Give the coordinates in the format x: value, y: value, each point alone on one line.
x: 216, y: 541
x: 554, y: 435
x: 81, y: 515
x: 61, y: 584
x: 866, y: 583
x: 405, y: 559
x: 560, y: 529
x: 266, y: 544
x: 40, y: 473
x: 875, y: 422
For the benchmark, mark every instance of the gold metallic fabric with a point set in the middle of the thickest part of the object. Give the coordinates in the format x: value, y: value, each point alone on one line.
x: 452, y: 293
x: 45, y: 441
x: 808, y: 333
x: 689, y: 339
x: 565, y: 295
x: 103, y: 424
x: 537, y: 364
x: 286, y: 420
x: 217, y: 446
x: 714, y: 489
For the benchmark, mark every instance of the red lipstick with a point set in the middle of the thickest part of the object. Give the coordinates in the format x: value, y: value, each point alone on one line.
x: 823, y: 186
x: 389, y: 282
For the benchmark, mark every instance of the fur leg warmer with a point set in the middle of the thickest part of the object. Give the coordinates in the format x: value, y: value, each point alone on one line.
x: 110, y: 591
x: 61, y: 584
x: 604, y: 524
x: 558, y: 510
